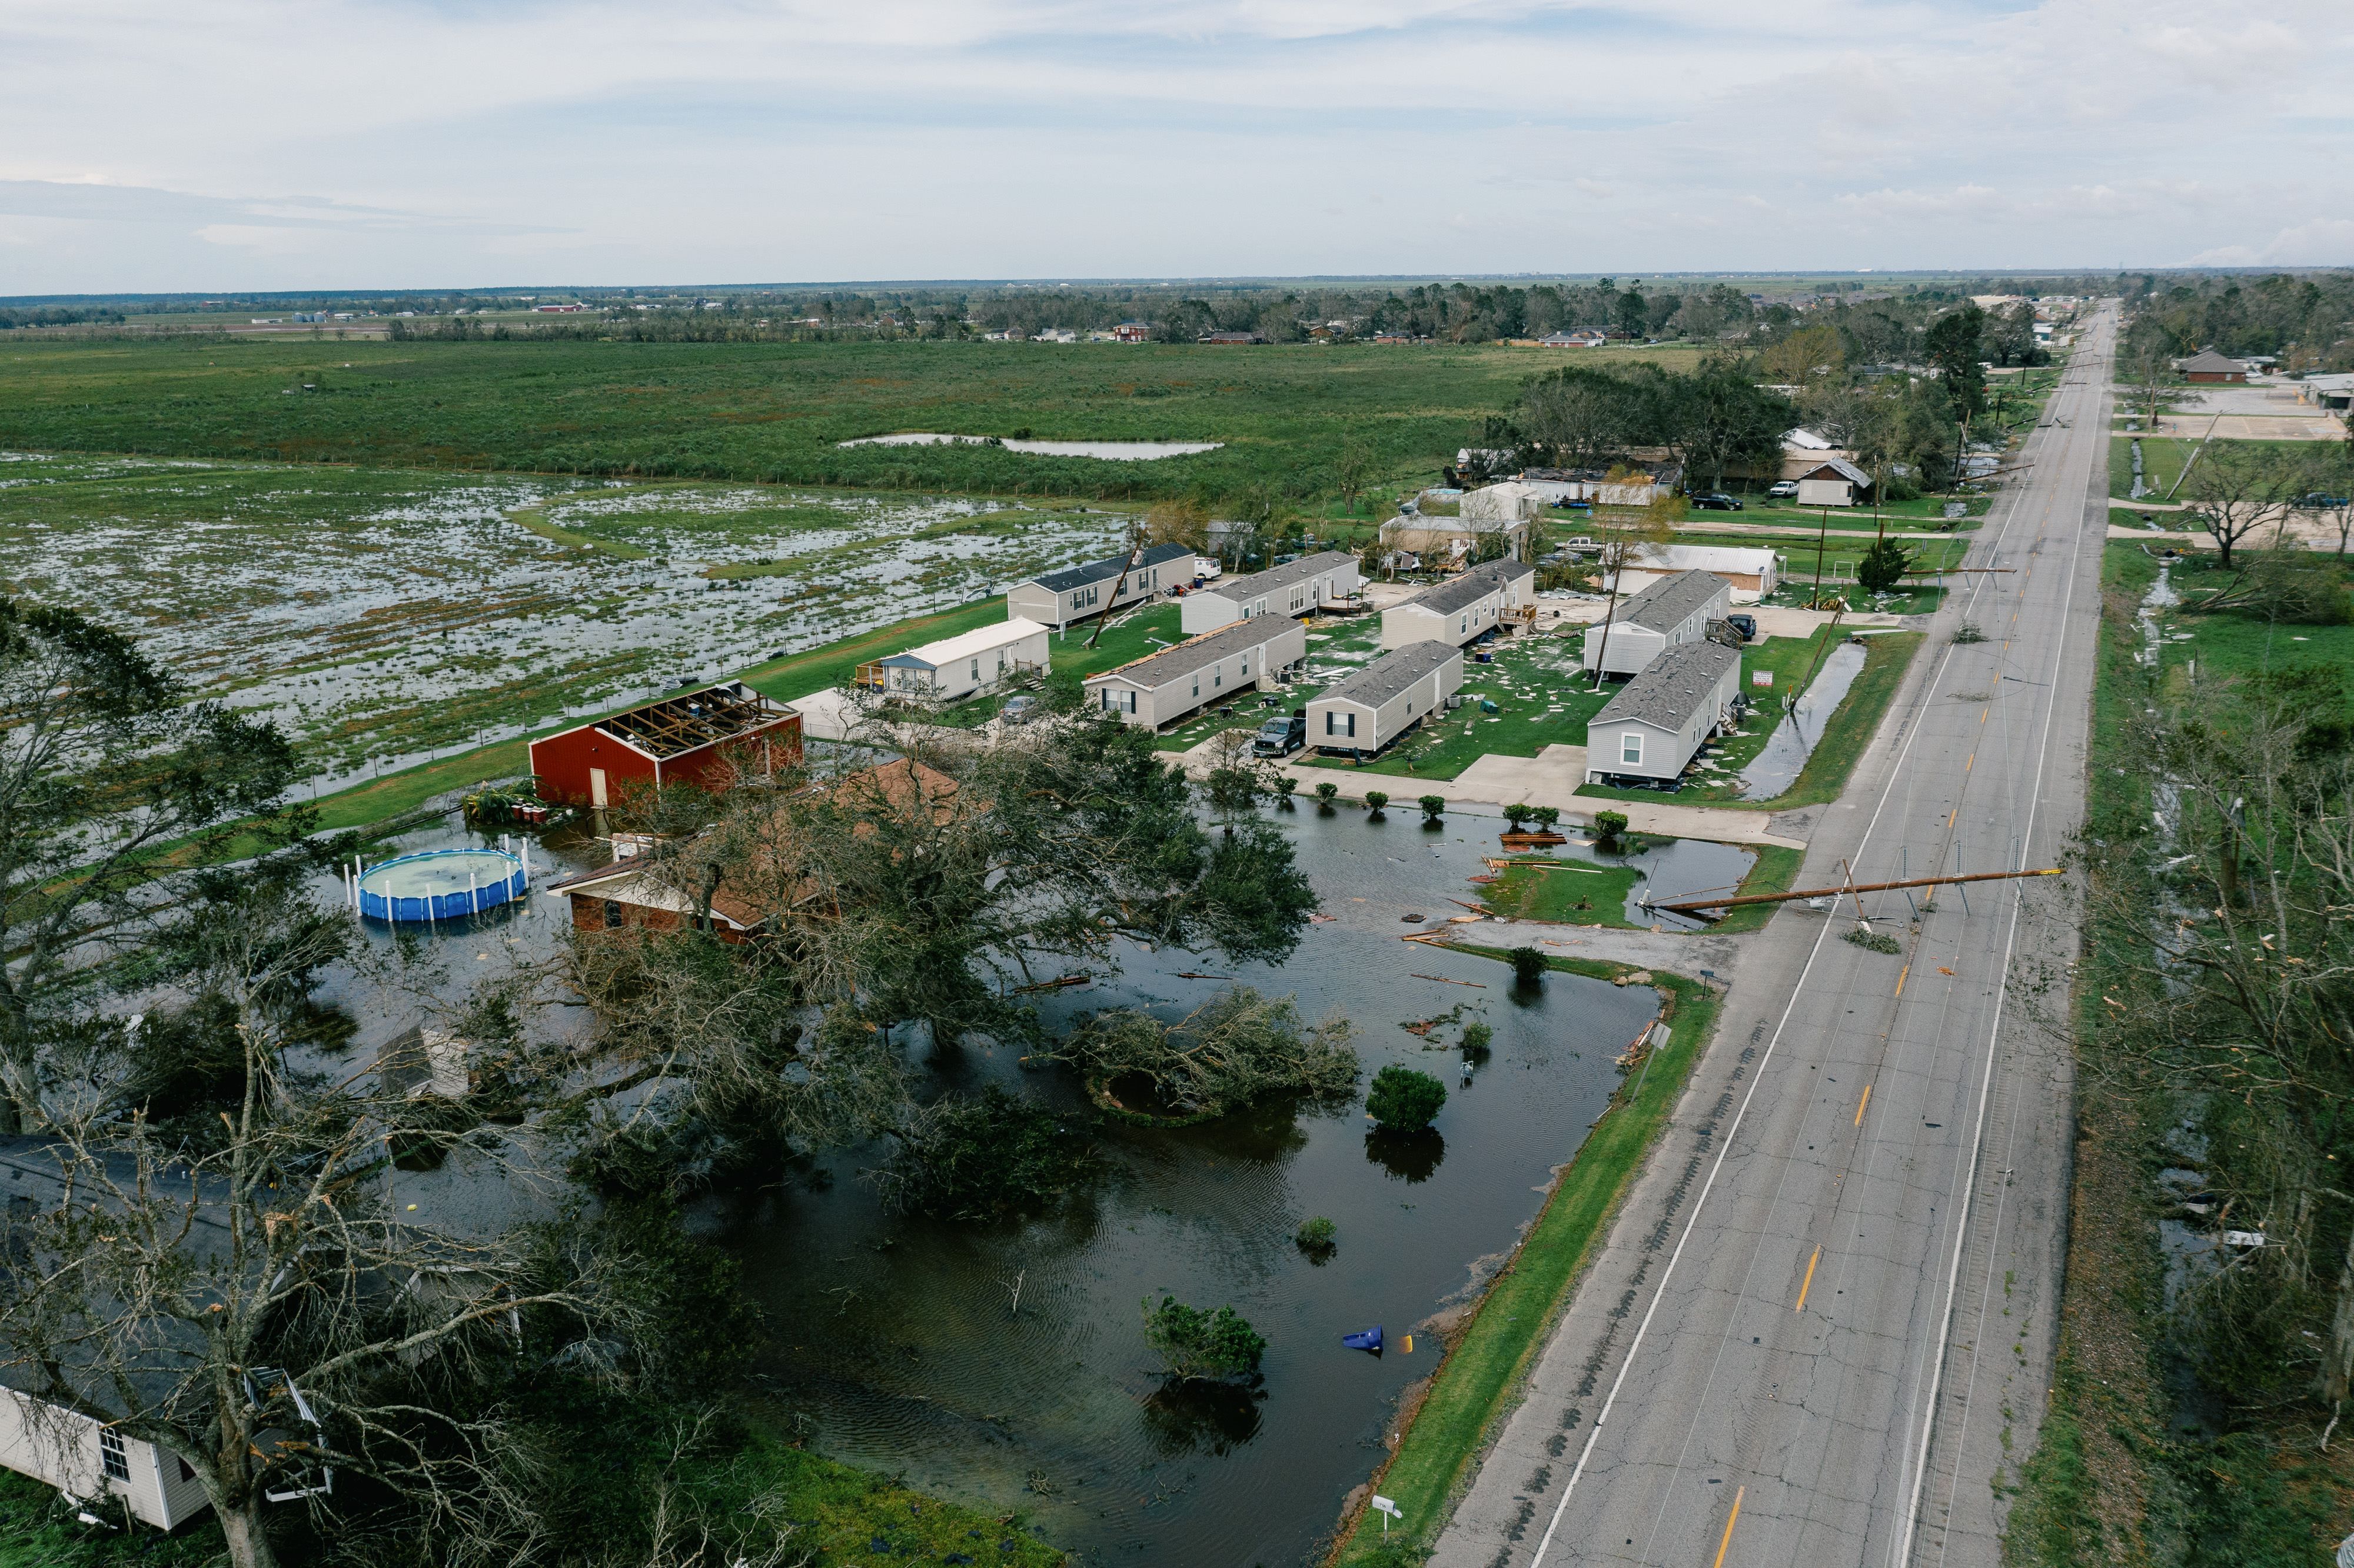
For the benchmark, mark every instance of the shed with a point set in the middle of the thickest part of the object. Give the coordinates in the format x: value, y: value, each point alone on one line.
x: 707, y: 738
x: 1753, y: 571
x: 1462, y: 608
x: 1296, y: 587
x: 1671, y: 613
x: 1649, y: 731
x: 1077, y: 593
x: 1370, y: 708
x: 1161, y: 688
x: 1513, y: 501
x: 2208, y: 366
x: 1832, y: 482
x: 957, y: 667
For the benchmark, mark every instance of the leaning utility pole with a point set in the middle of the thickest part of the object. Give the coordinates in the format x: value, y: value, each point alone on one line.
x: 1693, y: 906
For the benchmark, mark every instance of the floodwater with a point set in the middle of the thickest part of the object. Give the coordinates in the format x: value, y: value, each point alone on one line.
x: 896, y: 1344
x: 1777, y: 767
x: 1115, y: 451
x: 1679, y: 868
x: 899, y: 1345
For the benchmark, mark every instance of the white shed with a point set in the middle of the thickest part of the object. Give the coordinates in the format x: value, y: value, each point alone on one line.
x: 1462, y: 608
x: 1296, y: 587
x: 1650, y: 730
x: 1670, y: 613
x: 1833, y: 482
x: 1164, y: 687
x: 1080, y: 593
x: 1372, y: 707
x: 89, y: 1462
x: 1751, y: 570
x: 957, y: 667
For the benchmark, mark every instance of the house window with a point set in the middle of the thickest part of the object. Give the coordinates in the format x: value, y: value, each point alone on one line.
x: 612, y: 915
x: 110, y: 1457
x: 1245, y: 666
x: 1464, y: 626
x: 1217, y: 678
x: 1631, y: 749
x: 1330, y: 727
x: 1197, y: 683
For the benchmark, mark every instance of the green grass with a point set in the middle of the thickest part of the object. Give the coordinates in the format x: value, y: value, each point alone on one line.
x: 38, y: 1531
x: 1476, y: 1384
x: 1927, y: 511
x: 1530, y: 677
x: 1852, y: 724
x: 532, y: 519
x: 1775, y: 870
x: 774, y: 413
x: 1533, y: 890
x: 842, y: 1511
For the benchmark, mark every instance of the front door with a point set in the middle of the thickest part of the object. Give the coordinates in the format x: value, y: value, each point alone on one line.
x: 597, y: 788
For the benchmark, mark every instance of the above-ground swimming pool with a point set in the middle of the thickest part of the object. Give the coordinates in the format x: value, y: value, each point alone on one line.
x: 440, y: 885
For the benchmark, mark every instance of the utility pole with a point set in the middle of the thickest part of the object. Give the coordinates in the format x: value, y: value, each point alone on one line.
x: 1822, y: 536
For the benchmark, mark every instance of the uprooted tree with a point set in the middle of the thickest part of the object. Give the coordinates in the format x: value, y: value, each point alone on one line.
x: 1237, y: 1048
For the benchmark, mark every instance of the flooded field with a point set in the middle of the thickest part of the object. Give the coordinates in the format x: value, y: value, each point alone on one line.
x: 386, y: 616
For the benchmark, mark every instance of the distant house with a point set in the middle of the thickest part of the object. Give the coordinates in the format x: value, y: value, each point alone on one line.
x: 1512, y: 499
x: 2207, y: 366
x: 1368, y: 710
x: 1230, y: 337
x: 1161, y: 688
x: 957, y: 667
x: 1832, y: 482
x: 1077, y: 593
x: 1461, y: 609
x: 1752, y: 572
x: 1584, y: 337
x: 701, y: 738
x: 1649, y: 732
x: 1296, y: 587
x: 1671, y: 613
x: 1132, y: 332
x: 1413, y: 541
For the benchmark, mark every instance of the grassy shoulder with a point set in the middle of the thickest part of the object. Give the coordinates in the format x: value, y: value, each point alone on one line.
x: 1474, y: 1387
x: 1852, y: 725
x: 1775, y: 870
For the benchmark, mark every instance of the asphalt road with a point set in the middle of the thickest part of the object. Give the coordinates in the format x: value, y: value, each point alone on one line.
x: 1823, y: 1322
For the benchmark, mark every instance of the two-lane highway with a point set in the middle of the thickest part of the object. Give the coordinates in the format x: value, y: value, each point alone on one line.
x: 1830, y: 1295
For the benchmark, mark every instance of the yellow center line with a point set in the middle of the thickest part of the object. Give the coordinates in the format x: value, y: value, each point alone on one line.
x: 1861, y: 1103
x: 1970, y: 761
x: 1900, y: 978
x: 1809, y: 1283
x: 1729, y: 1520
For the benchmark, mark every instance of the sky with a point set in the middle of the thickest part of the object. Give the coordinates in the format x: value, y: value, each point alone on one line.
x: 198, y: 145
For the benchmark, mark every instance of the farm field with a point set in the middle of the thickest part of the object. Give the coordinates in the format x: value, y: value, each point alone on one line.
x: 387, y: 616
x: 774, y: 413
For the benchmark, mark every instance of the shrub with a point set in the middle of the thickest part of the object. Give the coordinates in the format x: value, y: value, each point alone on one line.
x: 1283, y: 787
x: 1528, y: 965
x: 1544, y: 816
x: 1608, y: 825
x: 979, y: 1158
x: 1515, y: 814
x: 1326, y: 792
x: 1434, y: 807
x: 1374, y: 800
x: 1404, y: 1100
x: 1195, y: 1345
x: 1316, y: 1235
x: 1477, y: 1037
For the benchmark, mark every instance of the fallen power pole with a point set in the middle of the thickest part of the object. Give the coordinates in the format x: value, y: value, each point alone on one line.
x: 1693, y: 906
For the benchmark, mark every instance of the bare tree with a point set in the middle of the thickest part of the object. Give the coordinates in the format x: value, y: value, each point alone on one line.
x: 1626, y: 535
x: 2235, y: 488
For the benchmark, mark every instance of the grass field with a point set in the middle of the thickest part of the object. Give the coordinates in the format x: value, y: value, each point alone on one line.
x: 774, y: 413
x: 1474, y: 1387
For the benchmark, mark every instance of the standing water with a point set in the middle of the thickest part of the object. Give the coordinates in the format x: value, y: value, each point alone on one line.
x: 1777, y: 767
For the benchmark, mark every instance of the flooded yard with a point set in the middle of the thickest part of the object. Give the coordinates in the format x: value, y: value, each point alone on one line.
x: 1777, y: 767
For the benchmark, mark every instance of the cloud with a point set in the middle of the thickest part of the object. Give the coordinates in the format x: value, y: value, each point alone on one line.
x: 2317, y: 242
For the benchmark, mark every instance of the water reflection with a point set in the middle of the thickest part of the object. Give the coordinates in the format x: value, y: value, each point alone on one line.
x: 1188, y: 1416
x: 1408, y: 1157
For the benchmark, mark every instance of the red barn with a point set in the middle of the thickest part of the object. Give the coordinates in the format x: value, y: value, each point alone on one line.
x: 700, y: 738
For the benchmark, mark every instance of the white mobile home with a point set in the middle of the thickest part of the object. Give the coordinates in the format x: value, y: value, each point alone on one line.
x: 1162, y: 688
x: 957, y: 667
x: 89, y: 1462
x: 1670, y: 613
x: 1388, y: 697
x: 1752, y: 572
x: 1080, y: 593
x: 1462, y: 608
x: 1649, y: 731
x: 1296, y: 587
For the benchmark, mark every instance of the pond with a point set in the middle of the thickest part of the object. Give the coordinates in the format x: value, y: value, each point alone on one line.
x: 1670, y: 869
x: 1777, y: 767
x: 1115, y: 451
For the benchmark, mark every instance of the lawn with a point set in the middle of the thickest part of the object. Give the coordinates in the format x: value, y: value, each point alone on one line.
x: 774, y: 413
x: 1537, y: 703
x: 1476, y: 1385
x: 1569, y: 891
x: 1924, y: 511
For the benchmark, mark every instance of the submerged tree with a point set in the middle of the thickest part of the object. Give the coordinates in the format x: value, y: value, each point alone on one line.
x: 1236, y: 1048
x: 1194, y: 1344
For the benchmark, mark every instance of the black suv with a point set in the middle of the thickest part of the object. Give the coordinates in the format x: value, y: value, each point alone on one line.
x: 1744, y: 624
x: 1281, y: 737
x: 1715, y: 500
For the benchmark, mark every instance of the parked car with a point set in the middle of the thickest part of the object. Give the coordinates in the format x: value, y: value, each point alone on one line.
x: 2318, y: 500
x: 1783, y: 488
x: 1744, y: 624
x: 1280, y: 736
x: 1018, y: 710
x: 1715, y: 500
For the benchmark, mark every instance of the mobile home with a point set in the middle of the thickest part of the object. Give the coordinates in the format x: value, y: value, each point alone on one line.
x: 1081, y: 593
x: 1161, y: 688
x: 957, y: 667
x: 1372, y: 707
x: 1462, y: 608
x: 1670, y: 613
x: 1297, y: 587
x: 1649, y: 731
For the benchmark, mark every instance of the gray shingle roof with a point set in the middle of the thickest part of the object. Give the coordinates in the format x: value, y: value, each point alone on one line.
x: 1664, y: 605
x: 1171, y: 665
x: 1283, y: 577
x: 1391, y: 674
x: 1844, y: 468
x: 1476, y: 583
x: 2207, y: 360
x: 1108, y: 569
x: 1675, y: 686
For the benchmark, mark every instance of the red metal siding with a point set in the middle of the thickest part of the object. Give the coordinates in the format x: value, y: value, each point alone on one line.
x: 563, y: 761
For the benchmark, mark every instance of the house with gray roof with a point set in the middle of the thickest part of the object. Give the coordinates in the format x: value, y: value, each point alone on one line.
x: 1372, y: 707
x: 1649, y: 732
x: 1672, y: 611
x: 1464, y: 608
x: 1177, y: 683
x: 1296, y: 587
x: 1080, y: 593
x: 1832, y: 482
